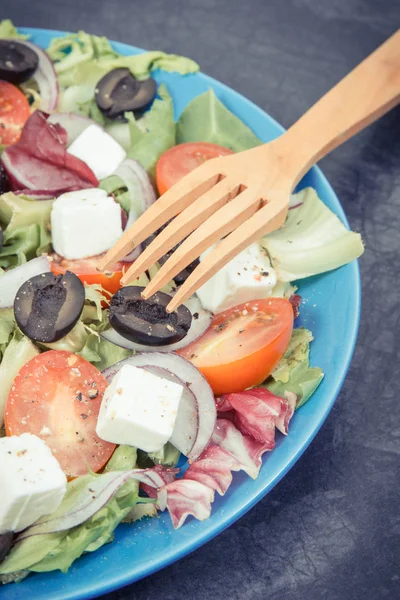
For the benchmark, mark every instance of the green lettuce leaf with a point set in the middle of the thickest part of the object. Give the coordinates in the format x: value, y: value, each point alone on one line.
x: 156, y: 133
x: 8, y: 30
x: 115, y: 186
x: 81, y: 60
x: 17, y: 353
x: 167, y: 456
x: 52, y: 551
x: 7, y: 325
x: 101, y: 352
x: 206, y: 119
x: 26, y: 225
x: 313, y: 240
x: 293, y: 373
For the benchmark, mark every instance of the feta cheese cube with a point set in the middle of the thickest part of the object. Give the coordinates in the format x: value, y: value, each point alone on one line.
x: 98, y: 150
x: 139, y: 409
x: 248, y: 276
x: 85, y: 223
x: 32, y: 482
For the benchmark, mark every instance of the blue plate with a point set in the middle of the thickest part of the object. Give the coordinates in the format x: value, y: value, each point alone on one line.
x: 150, y: 545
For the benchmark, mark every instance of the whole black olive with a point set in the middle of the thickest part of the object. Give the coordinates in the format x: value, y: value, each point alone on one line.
x: 4, y: 181
x: 184, y: 274
x: 5, y: 544
x: 17, y: 62
x: 48, y: 306
x: 147, y: 321
x: 119, y: 91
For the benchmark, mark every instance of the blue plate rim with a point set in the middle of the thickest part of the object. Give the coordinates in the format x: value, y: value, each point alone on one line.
x: 192, y: 545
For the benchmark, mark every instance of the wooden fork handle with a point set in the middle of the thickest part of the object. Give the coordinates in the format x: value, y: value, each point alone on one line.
x: 364, y: 95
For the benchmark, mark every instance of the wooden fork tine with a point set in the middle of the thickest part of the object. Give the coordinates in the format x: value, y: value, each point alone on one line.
x: 183, y: 225
x: 225, y: 220
x: 267, y: 219
x: 176, y: 199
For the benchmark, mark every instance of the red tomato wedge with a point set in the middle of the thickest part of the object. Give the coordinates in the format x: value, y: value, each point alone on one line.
x: 243, y: 345
x: 180, y: 160
x: 14, y: 112
x: 57, y: 396
x: 86, y: 270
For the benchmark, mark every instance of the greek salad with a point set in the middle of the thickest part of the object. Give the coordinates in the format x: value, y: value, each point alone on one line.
x: 111, y: 409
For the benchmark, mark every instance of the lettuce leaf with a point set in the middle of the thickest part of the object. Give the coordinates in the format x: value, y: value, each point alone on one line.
x: 101, y: 352
x: 312, y: 240
x: 52, y: 551
x: 26, y: 228
x: 81, y: 60
x: 206, y: 119
x: 156, y: 133
x: 293, y: 373
x: 8, y: 30
x: 115, y: 186
x: 167, y: 456
x: 7, y: 325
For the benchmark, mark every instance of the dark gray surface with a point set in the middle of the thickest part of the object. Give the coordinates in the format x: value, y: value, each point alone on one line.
x: 331, y: 529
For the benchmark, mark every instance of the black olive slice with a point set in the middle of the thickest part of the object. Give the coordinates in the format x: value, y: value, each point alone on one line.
x: 119, y: 91
x: 17, y: 62
x: 48, y: 306
x: 147, y: 321
x: 5, y: 544
x: 184, y: 274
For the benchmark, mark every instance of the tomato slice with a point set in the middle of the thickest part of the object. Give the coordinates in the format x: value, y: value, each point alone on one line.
x: 243, y: 345
x: 180, y: 160
x: 14, y: 112
x: 86, y: 270
x: 57, y: 396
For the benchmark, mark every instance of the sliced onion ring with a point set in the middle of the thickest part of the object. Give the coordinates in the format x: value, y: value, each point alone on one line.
x: 198, y: 327
x: 45, y: 77
x: 139, y: 187
x: 141, y: 192
x: 197, y: 412
x: 11, y: 281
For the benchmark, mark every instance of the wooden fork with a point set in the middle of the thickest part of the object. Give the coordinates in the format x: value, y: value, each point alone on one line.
x: 235, y: 200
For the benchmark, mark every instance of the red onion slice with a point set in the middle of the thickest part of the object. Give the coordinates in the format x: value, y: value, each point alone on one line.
x: 139, y: 187
x: 73, y: 124
x: 45, y: 77
x: 198, y: 327
x: 197, y: 412
x: 11, y: 281
x: 141, y: 193
x: 91, y: 498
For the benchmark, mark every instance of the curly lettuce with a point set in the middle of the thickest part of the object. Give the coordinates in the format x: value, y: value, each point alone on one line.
x: 81, y: 60
x: 26, y: 228
x: 8, y: 30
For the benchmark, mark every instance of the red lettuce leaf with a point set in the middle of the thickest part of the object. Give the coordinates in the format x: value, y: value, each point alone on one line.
x: 40, y: 161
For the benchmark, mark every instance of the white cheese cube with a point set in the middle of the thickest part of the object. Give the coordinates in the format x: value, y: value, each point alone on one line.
x: 85, y: 223
x: 32, y: 482
x: 139, y: 409
x: 98, y: 150
x: 248, y: 276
